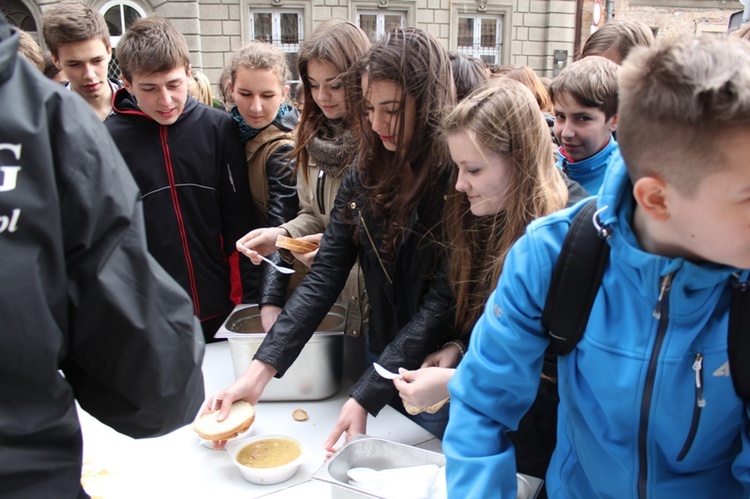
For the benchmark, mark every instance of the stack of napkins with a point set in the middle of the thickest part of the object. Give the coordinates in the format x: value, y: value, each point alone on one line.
x: 413, y: 482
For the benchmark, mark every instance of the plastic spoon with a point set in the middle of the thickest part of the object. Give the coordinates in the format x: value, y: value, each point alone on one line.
x: 409, y: 408
x: 281, y: 269
x: 385, y: 372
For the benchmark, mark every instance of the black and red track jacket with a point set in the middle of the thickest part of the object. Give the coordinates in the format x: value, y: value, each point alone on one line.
x: 196, y: 197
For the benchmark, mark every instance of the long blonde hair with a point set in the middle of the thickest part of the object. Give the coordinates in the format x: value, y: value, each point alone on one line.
x: 503, y: 118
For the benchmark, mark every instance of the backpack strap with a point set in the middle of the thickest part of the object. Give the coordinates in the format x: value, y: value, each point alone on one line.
x: 739, y: 339
x: 575, y: 282
x: 257, y: 153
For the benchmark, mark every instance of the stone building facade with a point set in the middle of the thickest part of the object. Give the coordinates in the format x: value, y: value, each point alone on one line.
x: 543, y: 34
x: 667, y: 17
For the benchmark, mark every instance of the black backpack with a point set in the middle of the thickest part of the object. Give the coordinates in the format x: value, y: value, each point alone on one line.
x: 576, y: 280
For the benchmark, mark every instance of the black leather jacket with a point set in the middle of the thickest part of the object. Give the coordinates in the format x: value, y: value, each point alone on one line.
x: 404, y: 326
x: 282, y: 206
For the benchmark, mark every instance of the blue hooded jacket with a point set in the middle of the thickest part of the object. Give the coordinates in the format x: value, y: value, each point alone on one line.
x: 647, y: 406
x: 589, y: 172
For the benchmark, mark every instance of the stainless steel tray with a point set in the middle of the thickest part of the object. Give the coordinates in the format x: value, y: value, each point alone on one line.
x: 321, y: 355
x: 381, y: 454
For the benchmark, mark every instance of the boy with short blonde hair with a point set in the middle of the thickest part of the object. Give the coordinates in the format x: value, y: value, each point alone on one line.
x: 78, y: 40
x: 585, y: 98
x: 189, y: 163
x: 699, y: 125
x: 648, y: 406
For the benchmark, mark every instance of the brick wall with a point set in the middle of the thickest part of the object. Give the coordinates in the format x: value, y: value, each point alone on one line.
x: 671, y: 17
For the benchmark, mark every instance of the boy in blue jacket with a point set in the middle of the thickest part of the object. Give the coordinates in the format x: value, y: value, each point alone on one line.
x: 647, y: 404
x: 585, y: 99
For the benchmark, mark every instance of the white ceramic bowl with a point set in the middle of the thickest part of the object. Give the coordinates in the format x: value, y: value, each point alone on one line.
x: 266, y: 476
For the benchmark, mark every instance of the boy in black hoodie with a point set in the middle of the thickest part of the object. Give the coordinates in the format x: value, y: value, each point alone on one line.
x: 189, y: 163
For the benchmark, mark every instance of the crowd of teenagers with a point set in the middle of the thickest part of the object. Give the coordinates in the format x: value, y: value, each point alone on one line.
x: 445, y: 198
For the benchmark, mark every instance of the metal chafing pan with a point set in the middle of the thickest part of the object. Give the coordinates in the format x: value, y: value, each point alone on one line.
x: 381, y: 454
x: 315, y: 375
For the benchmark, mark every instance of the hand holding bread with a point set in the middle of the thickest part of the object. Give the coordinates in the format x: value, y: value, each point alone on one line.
x: 241, y: 417
x: 424, y: 390
x: 295, y: 245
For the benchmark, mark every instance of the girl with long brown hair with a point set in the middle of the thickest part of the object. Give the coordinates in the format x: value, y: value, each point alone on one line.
x: 387, y: 214
x: 323, y: 152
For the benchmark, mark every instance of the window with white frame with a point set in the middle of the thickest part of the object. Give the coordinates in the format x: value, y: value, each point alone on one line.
x: 480, y: 36
x: 283, y: 28
x: 119, y: 15
x: 376, y: 24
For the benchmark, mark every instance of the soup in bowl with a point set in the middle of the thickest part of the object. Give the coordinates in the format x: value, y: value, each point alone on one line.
x: 267, y: 459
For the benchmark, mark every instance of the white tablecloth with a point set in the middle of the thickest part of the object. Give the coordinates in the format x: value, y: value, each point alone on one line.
x: 175, y: 465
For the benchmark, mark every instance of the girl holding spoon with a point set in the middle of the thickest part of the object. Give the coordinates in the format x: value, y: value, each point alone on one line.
x: 258, y: 75
x: 387, y: 214
x: 324, y: 150
x: 505, y: 177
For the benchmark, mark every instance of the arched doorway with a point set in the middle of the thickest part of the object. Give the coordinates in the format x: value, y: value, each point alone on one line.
x: 16, y: 12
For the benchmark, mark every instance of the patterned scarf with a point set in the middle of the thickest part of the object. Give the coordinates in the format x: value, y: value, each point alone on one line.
x: 247, y: 133
x: 331, y: 149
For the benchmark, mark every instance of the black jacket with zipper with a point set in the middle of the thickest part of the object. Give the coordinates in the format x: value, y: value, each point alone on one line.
x: 196, y: 198
x: 404, y: 327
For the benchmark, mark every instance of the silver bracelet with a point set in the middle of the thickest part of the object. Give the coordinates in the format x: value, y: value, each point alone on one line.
x: 457, y: 345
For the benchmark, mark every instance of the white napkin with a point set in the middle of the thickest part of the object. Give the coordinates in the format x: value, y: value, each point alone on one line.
x: 413, y: 482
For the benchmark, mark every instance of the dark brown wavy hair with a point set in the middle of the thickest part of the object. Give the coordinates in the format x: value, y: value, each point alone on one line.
x: 340, y: 43
x: 396, y: 182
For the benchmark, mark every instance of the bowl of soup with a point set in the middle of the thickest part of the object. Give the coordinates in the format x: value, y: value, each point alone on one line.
x: 267, y: 459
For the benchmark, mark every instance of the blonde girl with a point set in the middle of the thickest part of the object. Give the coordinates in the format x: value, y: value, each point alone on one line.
x: 505, y: 177
x: 258, y: 75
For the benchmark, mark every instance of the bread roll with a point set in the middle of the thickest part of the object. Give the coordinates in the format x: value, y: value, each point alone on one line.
x: 429, y: 410
x: 296, y: 245
x: 241, y: 417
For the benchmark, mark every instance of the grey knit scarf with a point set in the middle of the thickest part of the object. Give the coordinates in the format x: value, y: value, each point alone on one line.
x: 331, y: 149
